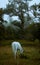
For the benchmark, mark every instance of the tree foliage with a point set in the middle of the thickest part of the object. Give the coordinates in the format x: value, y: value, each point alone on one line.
x: 18, y: 30
x: 1, y: 14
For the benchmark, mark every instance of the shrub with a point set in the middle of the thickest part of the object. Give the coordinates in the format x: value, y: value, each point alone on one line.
x: 36, y: 41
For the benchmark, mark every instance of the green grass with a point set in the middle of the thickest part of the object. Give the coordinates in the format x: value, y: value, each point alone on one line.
x: 32, y: 54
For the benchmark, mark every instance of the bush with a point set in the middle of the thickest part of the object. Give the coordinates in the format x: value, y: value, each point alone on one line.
x: 36, y: 41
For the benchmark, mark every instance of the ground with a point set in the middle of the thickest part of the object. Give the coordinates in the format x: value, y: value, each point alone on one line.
x: 31, y: 55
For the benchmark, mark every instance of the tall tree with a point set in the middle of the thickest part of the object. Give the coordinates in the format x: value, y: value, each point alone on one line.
x: 1, y: 14
x: 36, y: 11
x: 19, y: 8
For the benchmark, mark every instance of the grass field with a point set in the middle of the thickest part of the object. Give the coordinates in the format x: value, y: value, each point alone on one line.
x: 31, y: 51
